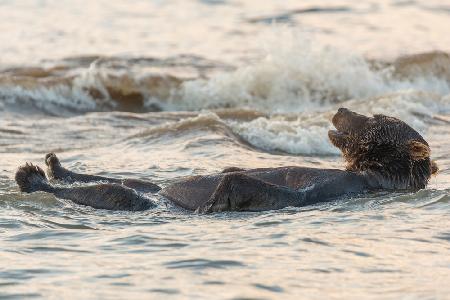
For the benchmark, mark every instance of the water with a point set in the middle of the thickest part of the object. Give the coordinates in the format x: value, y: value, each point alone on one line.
x: 164, y: 89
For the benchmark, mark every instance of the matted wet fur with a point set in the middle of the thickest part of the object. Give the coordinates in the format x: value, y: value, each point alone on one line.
x: 383, y: 147
x: 381, y: 153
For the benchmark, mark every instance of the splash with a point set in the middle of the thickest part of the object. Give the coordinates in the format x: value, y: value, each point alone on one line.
x: 298, y: 74
x: 295, y: 74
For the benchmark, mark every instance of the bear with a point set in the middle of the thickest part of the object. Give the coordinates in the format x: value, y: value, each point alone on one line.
x: 382, y: 153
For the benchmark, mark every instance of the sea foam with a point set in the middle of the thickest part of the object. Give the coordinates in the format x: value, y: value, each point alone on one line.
x: 298, y: 74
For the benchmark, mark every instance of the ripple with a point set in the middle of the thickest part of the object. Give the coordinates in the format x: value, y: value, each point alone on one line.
x: 19, y: 295
x: 287, y: 17
x: 444, y: 236
x: 436, y: 201
x: 315, y: 241
x: 165, y: 291
x: 213, y: 282
x: 8, y: 283
x: 8, y: 224
x: 69, y: 226
x: 272, y: 288
x: 269, y: 223
x: 357, y: 253
x: 56, y: 249
x: 11, y: 131
x: 379, y: 270
x: 136, y: 240
x: 121, y: 284
x: 203, y: 264
x: 113, y: 276
x: 46, y: 234
x: 132, y: 240
x: 24, y: 274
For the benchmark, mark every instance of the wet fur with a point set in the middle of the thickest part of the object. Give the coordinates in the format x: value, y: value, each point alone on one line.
x: 56, y: 171
x: 31, y: 178
x: 384, y: 148
x: 381, y: 153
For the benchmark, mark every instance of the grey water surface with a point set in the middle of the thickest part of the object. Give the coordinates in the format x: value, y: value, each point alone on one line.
x: 159, y: 90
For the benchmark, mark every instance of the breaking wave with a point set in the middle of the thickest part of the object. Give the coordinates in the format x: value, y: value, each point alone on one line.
x: 302, y: 133
x: 295, y: 74
x: 298, y: 75
x: 282, y: 102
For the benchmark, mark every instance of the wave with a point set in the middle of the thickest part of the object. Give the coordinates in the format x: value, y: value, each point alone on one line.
x: 295, y: 74
x: 93, y: 89
x: 306, y: 133
x: 303, y: 133
x: 208, y: 121
x: 299, y: 75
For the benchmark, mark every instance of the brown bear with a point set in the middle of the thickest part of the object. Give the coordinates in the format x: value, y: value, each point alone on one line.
x: 381, y: 152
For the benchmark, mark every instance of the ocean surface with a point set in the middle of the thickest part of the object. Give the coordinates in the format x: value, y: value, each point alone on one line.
x: 159, y: 90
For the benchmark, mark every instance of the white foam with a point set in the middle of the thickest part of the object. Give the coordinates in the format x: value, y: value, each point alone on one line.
x: 306, y: 133
x: 297, y: 74
x: 290, y: 136
x: 64, y: 97
x: 52, y: 100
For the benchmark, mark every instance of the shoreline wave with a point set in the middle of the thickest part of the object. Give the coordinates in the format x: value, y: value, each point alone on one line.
x: 293, y: 76
x: 281, y: 103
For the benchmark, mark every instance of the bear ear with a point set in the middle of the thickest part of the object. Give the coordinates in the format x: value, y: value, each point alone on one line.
x: 434, y: 168
x: 419, y: 150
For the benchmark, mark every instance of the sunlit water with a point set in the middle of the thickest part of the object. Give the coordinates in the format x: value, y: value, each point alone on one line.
x: 164, y: 89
